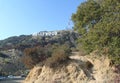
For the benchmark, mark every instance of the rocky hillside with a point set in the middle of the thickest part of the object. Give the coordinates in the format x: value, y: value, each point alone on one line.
x: 42, y: 38
x: 12, y: 48
x: 10, y: 62
x: 77, y: 69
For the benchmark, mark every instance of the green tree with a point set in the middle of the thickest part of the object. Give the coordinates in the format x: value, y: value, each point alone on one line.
x: 88, y: 13
x: 99, y: 23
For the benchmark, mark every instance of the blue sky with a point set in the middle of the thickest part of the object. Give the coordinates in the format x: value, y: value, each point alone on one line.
x: 19, y: 17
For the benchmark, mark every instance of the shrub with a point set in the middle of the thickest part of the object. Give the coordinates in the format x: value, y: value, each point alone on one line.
x: 61, y: 53
x: 32, y: 56
x: 53, y: 53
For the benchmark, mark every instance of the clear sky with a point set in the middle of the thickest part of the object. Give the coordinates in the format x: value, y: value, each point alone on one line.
x: 19, y: 17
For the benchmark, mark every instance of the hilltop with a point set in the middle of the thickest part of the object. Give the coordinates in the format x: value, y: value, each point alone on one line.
x: 41, y: 38
x: 12, y: 48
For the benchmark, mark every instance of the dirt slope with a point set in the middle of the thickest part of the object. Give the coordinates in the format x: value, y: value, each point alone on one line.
x: 79, y: 69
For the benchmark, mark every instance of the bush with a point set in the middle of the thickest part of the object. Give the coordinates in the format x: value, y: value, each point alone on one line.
x: 61, y: 53
x: 35, y: 55
x: 53, y: 53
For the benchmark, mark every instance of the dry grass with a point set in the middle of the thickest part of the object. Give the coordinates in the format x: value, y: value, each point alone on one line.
x: 57, y: 57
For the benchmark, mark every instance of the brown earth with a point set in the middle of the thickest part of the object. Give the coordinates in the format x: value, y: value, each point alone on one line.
x: 78, y: 69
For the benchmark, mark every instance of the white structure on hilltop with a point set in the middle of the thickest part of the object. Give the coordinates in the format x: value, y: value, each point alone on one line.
x: 46, y: 33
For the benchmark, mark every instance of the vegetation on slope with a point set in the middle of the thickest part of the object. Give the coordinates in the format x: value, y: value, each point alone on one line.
x: 33, y: 49
x: 99, y: 23
x: 50, y: 54
x: 28, y: 41
x: 10, y: 64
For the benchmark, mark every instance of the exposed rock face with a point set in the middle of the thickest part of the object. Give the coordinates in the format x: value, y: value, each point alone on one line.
x: 79, y: 69
x: 69, y: 73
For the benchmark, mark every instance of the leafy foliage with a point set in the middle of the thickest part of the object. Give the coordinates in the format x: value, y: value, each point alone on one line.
x: 99, y: 24
x: 88, y: 13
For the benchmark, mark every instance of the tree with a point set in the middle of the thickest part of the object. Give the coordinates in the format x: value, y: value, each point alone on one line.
x: 99, y: 23
x: 88, y: 13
